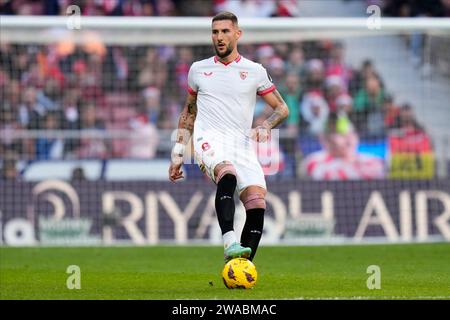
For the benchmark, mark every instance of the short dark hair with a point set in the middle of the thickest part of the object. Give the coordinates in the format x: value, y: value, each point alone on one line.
x: 226, y: 16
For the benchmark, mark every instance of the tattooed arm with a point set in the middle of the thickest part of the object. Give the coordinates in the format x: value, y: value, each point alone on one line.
x: 184, y: 133
x: 280, y: 112
x: 187, y: 119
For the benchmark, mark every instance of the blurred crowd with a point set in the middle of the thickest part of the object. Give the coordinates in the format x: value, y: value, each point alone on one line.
x: 120, y: 100
x: 414, y: 8
x: 242, y: 8
x: 139, y: 91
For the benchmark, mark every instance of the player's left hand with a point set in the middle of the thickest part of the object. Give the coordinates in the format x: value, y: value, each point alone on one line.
x: 260, y: 134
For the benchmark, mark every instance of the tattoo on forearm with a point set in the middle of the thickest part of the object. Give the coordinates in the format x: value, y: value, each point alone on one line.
x: 275, y: 118
x: 186, y: 121
x: 279, y: 114
x: 192, y: 108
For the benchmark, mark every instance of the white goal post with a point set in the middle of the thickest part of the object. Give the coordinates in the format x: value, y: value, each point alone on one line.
x: 196, y: 30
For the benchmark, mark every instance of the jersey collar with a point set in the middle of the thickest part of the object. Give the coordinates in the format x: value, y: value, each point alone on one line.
x: 216, y: 59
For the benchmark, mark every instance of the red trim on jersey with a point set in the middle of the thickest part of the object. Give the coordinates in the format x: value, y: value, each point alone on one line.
x: 238, y: 58
x: 191, y: 91
x: 266, y: 91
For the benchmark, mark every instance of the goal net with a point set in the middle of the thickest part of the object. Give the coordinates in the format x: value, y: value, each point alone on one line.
x: 89, y: 108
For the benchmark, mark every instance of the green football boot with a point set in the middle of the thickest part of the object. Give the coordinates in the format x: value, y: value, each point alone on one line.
x: 236, y: 251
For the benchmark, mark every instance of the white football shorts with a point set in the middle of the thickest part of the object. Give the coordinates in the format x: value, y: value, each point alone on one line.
x: 210, y: 149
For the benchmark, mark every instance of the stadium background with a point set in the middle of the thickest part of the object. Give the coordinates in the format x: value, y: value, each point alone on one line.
x: 86, y: 127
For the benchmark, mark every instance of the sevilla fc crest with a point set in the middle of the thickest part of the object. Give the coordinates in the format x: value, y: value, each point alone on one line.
x: 205, y: 146
x: 243, y: 74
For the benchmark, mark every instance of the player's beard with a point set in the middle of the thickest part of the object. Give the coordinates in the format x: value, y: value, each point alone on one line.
x: 224, y: 54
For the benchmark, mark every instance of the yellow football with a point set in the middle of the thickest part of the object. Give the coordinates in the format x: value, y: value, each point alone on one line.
x: 239, y: 273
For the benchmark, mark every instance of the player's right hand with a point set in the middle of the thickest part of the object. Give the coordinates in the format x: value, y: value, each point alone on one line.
x: 175, y: 172
x: 260, y: 134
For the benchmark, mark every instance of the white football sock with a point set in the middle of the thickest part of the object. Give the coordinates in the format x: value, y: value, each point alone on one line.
x: 228, y: 239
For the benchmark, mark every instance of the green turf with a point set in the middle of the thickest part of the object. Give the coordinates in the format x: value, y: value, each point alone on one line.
x: 178, y: 272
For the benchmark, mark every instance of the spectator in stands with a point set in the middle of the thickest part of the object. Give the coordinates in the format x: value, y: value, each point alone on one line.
x: 49, y: 147
x: 153, y: 70
x: 314, y: 110
x: 194, y: 8
x: 8, y: 126
x: 368, y: 103
x: 334, y: 87
x: 344, y: 104
x: 120, y: 67
x: 291, y: 93
x: 152, y: 103
x: 9, y: 169
x: 48, y: 96
x: 165, y: 8
x: 70, y: 110
x: 414, y: 8
x: 11, y: 95
x: 264, y: 53
x: 89, y: 76
x: 181, y: 68
x: 336, y: 66
x: 169, y: 114
x: 30, y: 112
x: 16, y: 57
x: 366, y: 71
x: 295, y: 62
x: 89, y: 120
x: 406, y: 120
x: 92, y: 147
x: 276, y: 69
x: 135, y: 8
x: 339, y: 159
x: 247, y: 8
x: 48, y: 60
x: 144, y: 138
x: 282, y: 50
x: 70, y: 118
x: 410, y: 148
x: 286, y: 8
x: 446, y: 8
x: 33, y: 76
x: 390, y: 110
x: 315, y: 76
x: 78, y: 175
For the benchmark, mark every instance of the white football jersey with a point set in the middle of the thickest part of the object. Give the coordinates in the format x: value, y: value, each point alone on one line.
x: 226, y: 94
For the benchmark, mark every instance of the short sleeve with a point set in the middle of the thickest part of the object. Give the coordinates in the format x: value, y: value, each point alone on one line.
x: 265, y: 84
x: 192, y: 86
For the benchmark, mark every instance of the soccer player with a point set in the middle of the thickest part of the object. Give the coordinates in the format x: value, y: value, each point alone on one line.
x: 219, y: 112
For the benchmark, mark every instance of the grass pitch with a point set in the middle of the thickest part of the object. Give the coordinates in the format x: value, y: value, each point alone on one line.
x: 412, y: 271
